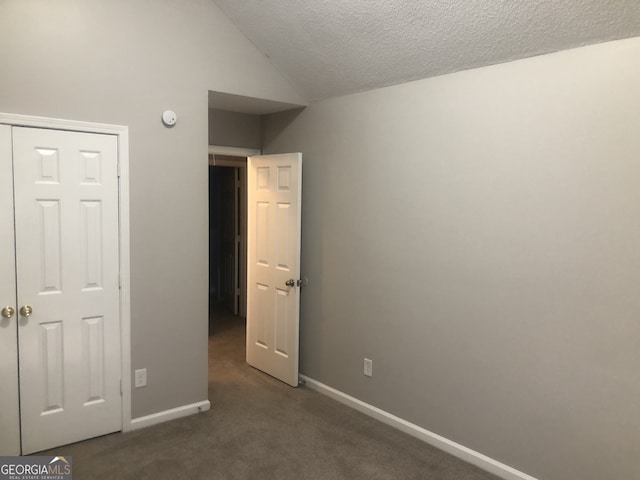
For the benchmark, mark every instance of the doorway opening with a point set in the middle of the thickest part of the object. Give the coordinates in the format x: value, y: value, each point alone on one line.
x: 264, y: 247
x: 227, y: 237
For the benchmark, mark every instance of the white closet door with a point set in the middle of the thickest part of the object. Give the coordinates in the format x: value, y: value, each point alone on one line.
x: 66, y: 210
x: 9, y: 420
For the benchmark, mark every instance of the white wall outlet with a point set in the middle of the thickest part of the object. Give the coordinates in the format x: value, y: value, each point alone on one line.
x: 140, y: 378
x: 368, y: 367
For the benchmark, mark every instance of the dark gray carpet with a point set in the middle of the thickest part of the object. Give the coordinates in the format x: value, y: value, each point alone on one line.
x: 259, y: 428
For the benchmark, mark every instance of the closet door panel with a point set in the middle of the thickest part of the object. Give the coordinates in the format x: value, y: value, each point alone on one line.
x: 66, y: 208
x: 9, y: 408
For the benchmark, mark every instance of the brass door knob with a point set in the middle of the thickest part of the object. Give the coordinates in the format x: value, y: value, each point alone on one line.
x: 7, y: 312
x: 26, y: 311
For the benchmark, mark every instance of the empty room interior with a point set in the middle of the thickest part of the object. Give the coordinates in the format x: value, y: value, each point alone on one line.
x: 461, y: 184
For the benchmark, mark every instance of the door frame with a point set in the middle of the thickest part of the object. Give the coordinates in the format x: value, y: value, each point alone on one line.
x: 122, y: 134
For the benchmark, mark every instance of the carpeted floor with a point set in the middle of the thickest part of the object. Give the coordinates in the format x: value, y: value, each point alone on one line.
x: 259, y: 428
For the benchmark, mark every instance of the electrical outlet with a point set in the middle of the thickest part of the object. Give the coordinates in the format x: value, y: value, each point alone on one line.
x: 368, y: 367
x: 140, y: 378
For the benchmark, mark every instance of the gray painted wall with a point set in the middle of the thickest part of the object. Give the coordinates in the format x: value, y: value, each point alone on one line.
x: 124, y: 62
x: 476, y: 235
x: 234, y: 129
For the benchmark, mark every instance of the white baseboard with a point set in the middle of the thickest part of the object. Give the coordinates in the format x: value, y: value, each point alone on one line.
x: 471, y: 456
x: 178, y: 412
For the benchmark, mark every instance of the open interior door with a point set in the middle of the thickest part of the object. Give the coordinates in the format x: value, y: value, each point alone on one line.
x: 273, y: 246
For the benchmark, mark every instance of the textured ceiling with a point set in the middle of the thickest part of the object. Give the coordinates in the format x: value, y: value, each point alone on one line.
x: 334, y: 47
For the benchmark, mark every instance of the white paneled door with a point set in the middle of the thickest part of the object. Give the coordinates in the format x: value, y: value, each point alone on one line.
x: 273, y: 264
x: 9, y: 420
x: 67, y: 282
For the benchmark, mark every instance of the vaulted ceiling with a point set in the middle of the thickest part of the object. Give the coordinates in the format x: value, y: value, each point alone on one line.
x: 328, y: 48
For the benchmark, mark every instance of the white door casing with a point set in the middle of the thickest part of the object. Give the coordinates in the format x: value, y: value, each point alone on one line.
x: 273, y: 246
x: 9, y: 420
x: 66, y: 210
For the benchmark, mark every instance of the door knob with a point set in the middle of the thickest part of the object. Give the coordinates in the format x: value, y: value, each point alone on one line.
x: 290, y: 283
x: 7, y: 312
x: 26, y: 311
